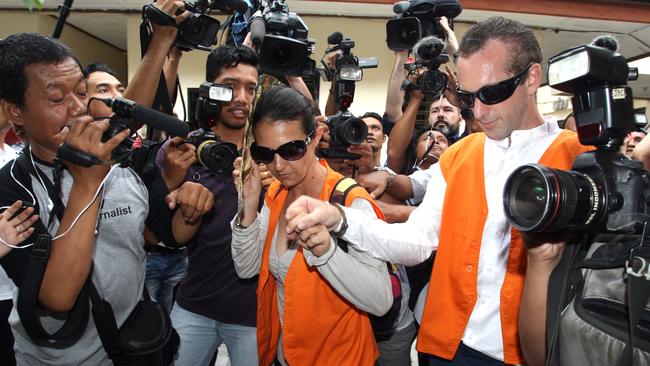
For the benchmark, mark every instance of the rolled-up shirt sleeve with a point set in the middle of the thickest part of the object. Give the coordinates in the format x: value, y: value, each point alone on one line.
x: 355, y: 275
x: 407, y: 243
x: 248, y: 244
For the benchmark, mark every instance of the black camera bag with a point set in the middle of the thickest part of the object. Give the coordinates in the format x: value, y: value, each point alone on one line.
x: 598, y: 303
x: 146, y: 337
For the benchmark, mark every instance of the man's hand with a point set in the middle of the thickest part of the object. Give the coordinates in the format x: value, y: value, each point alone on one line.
x: 86, y: 135
x: 452, y: 85
x: 178, y: 158
x: 316, y: 239
x: 171, y: 7
x: 306, y: 212
x: 324, y: 142
x: 546, y: 248
x: 374, y: 182
x: 366, y: 158
x: 15, y: 230
x: 329, y: 60
x: 193, y: 199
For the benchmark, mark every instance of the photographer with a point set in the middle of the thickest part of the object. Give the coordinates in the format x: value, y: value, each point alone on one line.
x: 477, y: 280
x: 43, y: 91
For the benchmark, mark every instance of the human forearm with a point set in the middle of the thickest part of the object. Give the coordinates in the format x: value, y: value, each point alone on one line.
x: 395, y: 212
x: 247, y: 247
x: 297, y: 83
x: 395, y: 94
x: 369, y: 288
x: 182, y: 230
x: 331, y: 107
x: 70, y: 258
x: 532, y: 316
x: 401, y: 135
x: 641, y: 152
x: 400, y: 187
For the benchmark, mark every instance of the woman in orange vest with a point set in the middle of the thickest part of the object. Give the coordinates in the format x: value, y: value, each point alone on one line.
x: 313, y: 296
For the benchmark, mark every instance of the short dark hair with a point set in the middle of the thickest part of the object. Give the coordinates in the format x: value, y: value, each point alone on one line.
x: 425, y: 129
x: 281, y: 103
x: 99, y: 67
x: 520, y: 40
x: 21, y: 50
x: 228, y: 56
x: 371, y: 115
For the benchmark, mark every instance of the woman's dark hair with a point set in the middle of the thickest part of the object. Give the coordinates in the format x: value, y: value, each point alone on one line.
x: 21, y: 50
x: 281, y: 103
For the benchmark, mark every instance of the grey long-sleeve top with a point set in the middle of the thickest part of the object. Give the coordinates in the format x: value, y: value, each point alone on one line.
x: 355, y: 275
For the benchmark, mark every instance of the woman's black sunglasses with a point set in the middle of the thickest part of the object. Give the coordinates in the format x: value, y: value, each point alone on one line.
x: 292, y: 150
x: 493, y: 94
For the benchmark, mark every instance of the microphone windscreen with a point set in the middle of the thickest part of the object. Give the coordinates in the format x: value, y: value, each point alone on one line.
x: 258, y: 30
x: 607, y: 42
x: 401, y: 7
x: 335, y: 38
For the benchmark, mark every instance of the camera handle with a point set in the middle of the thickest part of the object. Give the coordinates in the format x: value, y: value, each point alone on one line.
x: 158, y: 16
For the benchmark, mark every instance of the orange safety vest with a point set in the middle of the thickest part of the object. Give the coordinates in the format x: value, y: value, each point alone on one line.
x: 453, y: 285
x: 320, y: 327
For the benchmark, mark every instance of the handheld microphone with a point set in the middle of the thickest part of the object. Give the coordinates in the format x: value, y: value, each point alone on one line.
x: 129, y: 109
x: 258, y: 30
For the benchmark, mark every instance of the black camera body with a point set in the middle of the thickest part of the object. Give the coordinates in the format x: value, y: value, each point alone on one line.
x: 345, y: 130
x: 212, y: 152
x: 281, y: 38
x: 429, y: 56
x: 418, y: 19
x: 605, y: 192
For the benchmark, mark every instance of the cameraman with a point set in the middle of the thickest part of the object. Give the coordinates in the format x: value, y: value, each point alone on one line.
x: 43, y: 91
x: 475, y: 289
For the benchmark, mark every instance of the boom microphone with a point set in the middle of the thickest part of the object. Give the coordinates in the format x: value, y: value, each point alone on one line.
x: 129, y: 109
x: 401, y: 7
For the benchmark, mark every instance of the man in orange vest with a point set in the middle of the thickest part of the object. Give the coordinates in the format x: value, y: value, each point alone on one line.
x: 472, y: 308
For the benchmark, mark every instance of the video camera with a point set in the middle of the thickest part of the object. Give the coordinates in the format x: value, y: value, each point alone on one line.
x: 280, y: 37
x: 605, y: 192
x: 127, y: 115
x: 429, y: 56
x: 345, y: 129
x: 199, y: 30
x: 211, y: 151
x: 418, y: 19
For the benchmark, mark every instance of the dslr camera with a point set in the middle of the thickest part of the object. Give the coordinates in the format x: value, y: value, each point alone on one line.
x: 605, y: 192
x: 211, y: 151
x: 199, y: 30
x: 280, y: 36
x: 417, y: 19
x: 429, y: 56
x: 345, y: 129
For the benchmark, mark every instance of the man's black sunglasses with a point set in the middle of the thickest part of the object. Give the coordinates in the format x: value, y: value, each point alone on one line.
x: 292, y: 150
x: 493, y: 94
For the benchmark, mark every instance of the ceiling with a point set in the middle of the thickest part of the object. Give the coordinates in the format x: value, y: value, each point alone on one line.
x: 106, y: 20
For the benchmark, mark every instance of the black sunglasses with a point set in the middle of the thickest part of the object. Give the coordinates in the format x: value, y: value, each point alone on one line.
x: 291, y: 151
x: 493, y: 94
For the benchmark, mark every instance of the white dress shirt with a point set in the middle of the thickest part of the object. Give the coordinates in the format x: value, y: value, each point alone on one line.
x: 412, y: 242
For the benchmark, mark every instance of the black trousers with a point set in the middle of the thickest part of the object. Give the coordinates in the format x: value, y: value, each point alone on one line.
x: 6, y: 337
x: 465, y: 356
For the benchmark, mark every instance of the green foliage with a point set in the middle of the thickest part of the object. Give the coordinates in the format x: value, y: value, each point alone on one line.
x: 30, y: 4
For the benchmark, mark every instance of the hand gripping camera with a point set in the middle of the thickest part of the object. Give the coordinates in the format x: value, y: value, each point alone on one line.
x: 211, y: 151
x: 605, y: 192
x: 345, y: 129
x: 429, y: 56
x: 199, y: 30
x: 418, y: 19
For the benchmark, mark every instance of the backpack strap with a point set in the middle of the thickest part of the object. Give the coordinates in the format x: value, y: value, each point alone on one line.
x: 338, y: 196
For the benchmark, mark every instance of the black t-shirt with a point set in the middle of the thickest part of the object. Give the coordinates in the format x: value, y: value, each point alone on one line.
x: 211, y: 287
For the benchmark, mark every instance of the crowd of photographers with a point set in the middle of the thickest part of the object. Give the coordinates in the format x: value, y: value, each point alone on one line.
x: 293, y: 241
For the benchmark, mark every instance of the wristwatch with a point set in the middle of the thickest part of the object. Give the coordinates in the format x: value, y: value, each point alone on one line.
x: 391, y: 174
x: 343, y: 225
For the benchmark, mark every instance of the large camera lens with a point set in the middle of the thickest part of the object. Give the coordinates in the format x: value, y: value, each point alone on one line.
x: 433, y: 82
x: 281, y: 55
x: 537, y: 198
x: 352, y: 131
x: 217, y: 156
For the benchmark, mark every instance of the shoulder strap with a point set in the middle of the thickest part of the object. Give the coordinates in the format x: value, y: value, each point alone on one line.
x: 27, y: 302
x: 338, y: 196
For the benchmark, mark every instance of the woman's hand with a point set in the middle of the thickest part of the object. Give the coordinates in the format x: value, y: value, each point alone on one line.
x: 251, y: 191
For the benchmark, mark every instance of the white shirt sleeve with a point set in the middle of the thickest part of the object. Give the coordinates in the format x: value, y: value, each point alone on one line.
x: 407, y: 243
x: 419, y: 180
